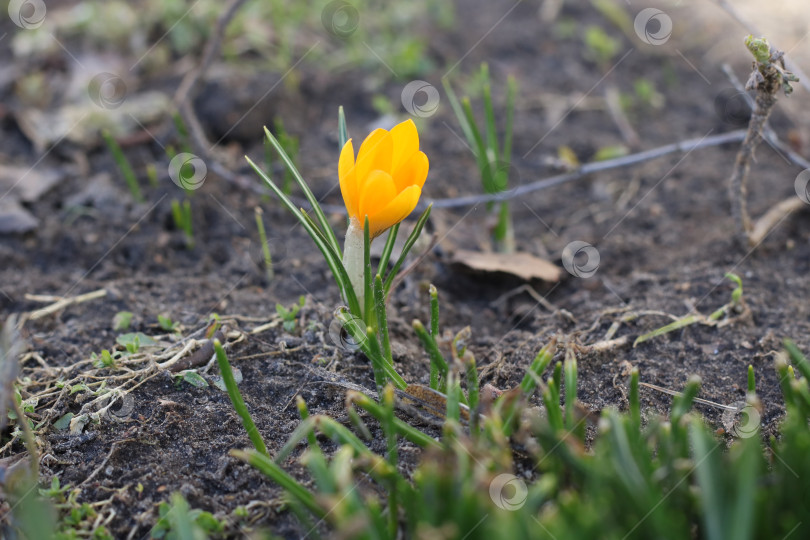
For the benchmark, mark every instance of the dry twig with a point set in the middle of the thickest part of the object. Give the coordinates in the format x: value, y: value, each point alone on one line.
x: 767, y: 78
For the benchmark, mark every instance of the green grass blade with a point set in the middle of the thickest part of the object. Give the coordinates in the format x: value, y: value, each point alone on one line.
x: 459, y: 112
x: 330, y: 254
x: 570, y: 388
x: 382, y: 318
x: 798, y: 359
x: 511, y: 92
x: 437, y: 361
x: 453, y: 391
x: 484, y: 167
x: 316, y: 207
x: 368, y: 292
x: 343, y: 131
x: 417, y: 230
x: 268, y: 257
x: 388, y: 249
x: 434, y: 311
x: 538, y: 367
x: 551, y: 398
x: 671, y: 327
x: 368, y: 344
x: 472, y: 380
x: 272, y: 470
x: 708, y: 470
x: 123, y: 165
x: 403, y: 428
x: 752, y: 381
x: 635, y: 403
x: 236, y: 399
x: 492, y: 134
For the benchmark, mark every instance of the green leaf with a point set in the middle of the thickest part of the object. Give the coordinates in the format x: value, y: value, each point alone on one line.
x: 136, y: 339
x: 122, y: 320
x: 193, y: 378
x: 63, y: 422
x: 219, y: 382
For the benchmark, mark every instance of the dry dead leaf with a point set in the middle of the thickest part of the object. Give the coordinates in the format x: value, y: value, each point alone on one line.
x: 523, y: 265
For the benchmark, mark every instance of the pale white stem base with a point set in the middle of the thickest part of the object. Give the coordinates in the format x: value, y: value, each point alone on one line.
x: 353, y: 259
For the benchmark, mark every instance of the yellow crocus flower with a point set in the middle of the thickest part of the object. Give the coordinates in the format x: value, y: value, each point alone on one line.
x: 385, y: 182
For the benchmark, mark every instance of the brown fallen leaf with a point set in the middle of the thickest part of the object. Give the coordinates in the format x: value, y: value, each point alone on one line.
x: 522, y: 265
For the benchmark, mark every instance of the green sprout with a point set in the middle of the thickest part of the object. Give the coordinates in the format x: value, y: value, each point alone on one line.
x: 124, y: 166
x: 289, y: 315
x: 181, y: 214
x: 494, y: 159
x: 266, y: 255
x: 166, y: 323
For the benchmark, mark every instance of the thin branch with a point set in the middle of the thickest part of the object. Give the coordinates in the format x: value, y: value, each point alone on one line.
x: 61, y: 303
x: 184, y: 97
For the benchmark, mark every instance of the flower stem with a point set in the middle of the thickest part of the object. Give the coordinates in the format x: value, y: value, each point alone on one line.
x: 354, y: 260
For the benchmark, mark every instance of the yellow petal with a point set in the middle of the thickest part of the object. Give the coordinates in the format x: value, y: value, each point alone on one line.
x: 348, y: 179
x: 374, y: 154
x: 406, y: 143
x: 396, y: 210
x: 375, y: 194
x: 413, y: 172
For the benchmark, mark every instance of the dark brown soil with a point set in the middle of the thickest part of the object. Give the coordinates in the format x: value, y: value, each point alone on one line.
x: 663, y: 231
